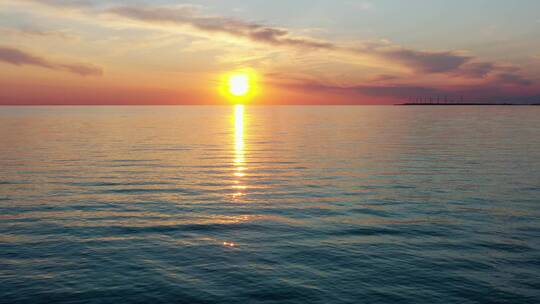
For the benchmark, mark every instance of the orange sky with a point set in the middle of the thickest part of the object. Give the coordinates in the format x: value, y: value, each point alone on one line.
x: 328, y: 52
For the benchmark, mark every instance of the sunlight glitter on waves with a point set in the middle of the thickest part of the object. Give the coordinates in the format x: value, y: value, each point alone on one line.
x: 239, y: 152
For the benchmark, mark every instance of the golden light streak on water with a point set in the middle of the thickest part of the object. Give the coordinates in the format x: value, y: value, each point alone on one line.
x: 239, y: 151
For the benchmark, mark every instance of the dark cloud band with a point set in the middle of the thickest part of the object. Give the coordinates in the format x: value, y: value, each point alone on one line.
x: 18, y: 57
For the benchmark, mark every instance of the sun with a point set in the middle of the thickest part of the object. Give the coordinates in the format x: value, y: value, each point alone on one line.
x: 239, y: 85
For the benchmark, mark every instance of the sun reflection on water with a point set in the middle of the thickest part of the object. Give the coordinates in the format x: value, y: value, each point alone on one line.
x: 239, y: 152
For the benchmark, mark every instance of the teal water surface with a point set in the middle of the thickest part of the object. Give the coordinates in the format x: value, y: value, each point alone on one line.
x: 284, y: 204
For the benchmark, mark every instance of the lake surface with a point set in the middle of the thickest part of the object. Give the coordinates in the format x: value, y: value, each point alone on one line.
x: 279, y: 204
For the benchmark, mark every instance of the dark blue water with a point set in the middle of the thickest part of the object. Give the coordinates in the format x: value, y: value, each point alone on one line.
x: 269, y: 205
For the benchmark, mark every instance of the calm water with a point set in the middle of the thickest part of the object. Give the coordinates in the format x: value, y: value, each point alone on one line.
x: 270, y: 204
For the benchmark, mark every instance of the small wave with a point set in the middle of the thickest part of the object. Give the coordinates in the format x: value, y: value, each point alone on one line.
x: 113, y: 184
x: 198, y: 228
x: 369, y: 211
x: 13, y: 183
x: 367, y: 231
x: 144, y: 191
x: 506, y: 247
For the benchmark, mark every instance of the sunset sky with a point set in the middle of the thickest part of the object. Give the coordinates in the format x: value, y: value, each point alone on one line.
x: 303, y: 51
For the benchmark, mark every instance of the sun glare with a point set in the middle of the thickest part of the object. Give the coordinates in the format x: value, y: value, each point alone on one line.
x: 239, y: 86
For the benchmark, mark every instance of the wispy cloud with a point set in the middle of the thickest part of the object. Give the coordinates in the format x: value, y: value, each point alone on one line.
x: 393, y: 91
x: 403, y: 93
x: 27, y: 31
x: 64, y: 3
x: 510, y: 78
x: 452, y: 64
x: 384, y: 78
x: 427, y: 62
x: 18, y: 57
x: 188, y: 16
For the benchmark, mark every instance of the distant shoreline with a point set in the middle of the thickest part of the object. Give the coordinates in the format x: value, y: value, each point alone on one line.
x: 263, y: 105
x: 467, y: 104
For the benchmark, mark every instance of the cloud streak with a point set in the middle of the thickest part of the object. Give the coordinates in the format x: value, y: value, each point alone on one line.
x: 431, y: 62
x: 451, y: 64
x: 18, y: 57
x: 399, y: 93
x: 510, y: 78
x: 188, y: 16
x: 396, y: 91
x: 427, y: 62
x: 29, y: 32
x: 64, y: 3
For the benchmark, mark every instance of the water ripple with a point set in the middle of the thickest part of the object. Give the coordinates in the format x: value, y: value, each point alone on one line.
x: 269, y: 205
